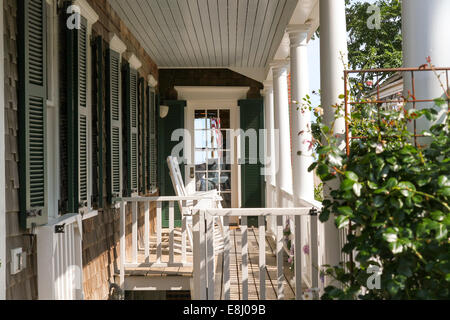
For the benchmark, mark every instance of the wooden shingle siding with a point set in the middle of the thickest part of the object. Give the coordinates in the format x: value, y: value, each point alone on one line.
x: 100, y: 233
x: 24, y: 284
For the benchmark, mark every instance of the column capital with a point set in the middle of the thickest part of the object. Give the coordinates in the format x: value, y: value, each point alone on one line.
x: 268, y: 88
x: 298, y: 34
x: 279, y: 67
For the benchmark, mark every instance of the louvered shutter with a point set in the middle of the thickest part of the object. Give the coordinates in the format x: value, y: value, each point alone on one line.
x: 131, y: 99
x: 78, y: 118
x: 142, y: 140
x: 114, y: 124
x: 252, y: 180
x: 152, y: 152
x: 97, y: 113
x: 32, y: 112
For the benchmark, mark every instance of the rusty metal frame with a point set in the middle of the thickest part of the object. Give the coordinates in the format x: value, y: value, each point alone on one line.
x: 412, y: 99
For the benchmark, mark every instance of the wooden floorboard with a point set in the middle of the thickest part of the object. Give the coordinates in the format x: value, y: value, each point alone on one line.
x: 235, y: 265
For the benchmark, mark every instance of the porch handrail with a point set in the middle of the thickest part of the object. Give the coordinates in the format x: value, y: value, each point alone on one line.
x: 204, y: 269
x: 171, y: 200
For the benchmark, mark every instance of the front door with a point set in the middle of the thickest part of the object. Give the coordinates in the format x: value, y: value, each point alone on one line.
x: 214, y: 165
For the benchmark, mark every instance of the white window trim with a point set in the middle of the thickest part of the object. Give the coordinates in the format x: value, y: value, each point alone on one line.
x: 2, y: 168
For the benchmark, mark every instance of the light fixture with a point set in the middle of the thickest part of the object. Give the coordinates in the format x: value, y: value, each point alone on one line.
x: 163, y: 111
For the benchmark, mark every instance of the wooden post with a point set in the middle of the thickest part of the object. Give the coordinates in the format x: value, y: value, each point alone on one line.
x: 147, y: 232
x: 134, y: 233
x: 298, y: 257
x: 210, y: 255
x: 280, y: 252
x: 262, y: 257
x: 171, y: 231
x: 244, y: 253
x: 122, y: 244
x: 314, y: 253
x: 183, y: 235
x: 158, y: 232
x: 226, y: 258
x: 199, y: 256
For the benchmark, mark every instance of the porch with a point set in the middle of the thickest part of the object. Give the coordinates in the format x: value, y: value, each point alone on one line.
x: 242, y: 262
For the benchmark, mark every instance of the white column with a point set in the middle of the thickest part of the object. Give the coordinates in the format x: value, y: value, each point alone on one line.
x: 303, y: 181
x: 333, y: 58
x: 425, y: 24
x: 270, y: 128
x: 282, y: 124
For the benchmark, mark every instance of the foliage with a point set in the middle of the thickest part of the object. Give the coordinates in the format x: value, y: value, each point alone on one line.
x: 371, y: 48
x: 394, y: 197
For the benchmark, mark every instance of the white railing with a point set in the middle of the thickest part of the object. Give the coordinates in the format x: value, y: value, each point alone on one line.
x: 59, y: 259
x: 137, y: 261
x: 203, y: 234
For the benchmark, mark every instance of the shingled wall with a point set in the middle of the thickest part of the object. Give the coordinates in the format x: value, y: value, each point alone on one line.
x: 100, y: 233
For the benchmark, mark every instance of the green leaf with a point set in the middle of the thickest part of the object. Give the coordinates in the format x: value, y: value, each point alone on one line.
x: 396, y: 203
x: 352, y: 176
x: 440, y: 102
x: 390, y: 235
x: 357, y: 189
x: 443, y: 181
x: 392, y: 182
x: 347, y: 211
x: 372, y: 185
x: 347, y: 185
x: 342, y: 222
x: 335, y: 159
x: 407, y: 189
x: 378, y: 201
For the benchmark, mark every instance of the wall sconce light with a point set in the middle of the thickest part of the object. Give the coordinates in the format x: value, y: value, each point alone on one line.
x: 163, y: 111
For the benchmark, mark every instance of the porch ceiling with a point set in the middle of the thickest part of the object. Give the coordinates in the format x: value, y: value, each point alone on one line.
x: 208, y: 33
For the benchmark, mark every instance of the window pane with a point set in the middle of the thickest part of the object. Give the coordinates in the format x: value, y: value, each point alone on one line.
x: 213, y: 160
x: 200, y: 160
x: 225, y: 119
x: 225, y: 161
x: 200, y: 139
x: 225, y: 181
x: 226, y: 139
x: 226, y: 202
x: 200, y: 181
x: 213, y: 119
x: 213, y: 181
x: 200, y: 119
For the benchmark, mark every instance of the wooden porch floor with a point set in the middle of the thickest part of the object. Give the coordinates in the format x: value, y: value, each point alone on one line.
x: 235, y: 265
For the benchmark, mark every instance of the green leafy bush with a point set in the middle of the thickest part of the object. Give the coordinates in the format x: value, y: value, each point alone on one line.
x: 394, y: 196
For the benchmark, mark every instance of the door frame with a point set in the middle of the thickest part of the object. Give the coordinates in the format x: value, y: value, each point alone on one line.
x: 213, y: 98
x: 2, y: 167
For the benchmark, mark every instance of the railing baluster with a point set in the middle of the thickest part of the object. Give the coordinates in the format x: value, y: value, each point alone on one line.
x: 226, y: 258
x: 134, y: 233
x: 262, y: 257
x: 298, y: 257
x: 171, y: 231
x: 210, y: 255
x: 183, y: 235
x: 158, y: 232
x: 314, y: 253
x: 147, y: 232
x: 280, y: 251
x: 199, y: 256
x: 122, y: 244
x: 244, y: 229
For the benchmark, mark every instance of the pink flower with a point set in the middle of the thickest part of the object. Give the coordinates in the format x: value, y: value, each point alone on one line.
x: 369, y: 83
x: 306, y: 249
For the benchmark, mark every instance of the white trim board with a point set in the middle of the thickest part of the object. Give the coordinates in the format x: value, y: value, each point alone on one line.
x: 2, y: 166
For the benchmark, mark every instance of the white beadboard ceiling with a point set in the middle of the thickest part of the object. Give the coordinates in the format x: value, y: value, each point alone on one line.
x: 208, y: 33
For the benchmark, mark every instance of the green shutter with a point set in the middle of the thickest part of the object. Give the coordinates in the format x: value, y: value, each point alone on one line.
x: 78, y: 118
x: 151, y: 136
x: 32, y: 112
x: 142, y: 141
x: 114, y: 124
x: 132, y: 135
x: 166, y: 126
x: 97, y: 133
x: 252, y: 180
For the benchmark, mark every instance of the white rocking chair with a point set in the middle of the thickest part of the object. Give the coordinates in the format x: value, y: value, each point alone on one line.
x: 186, y: 209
